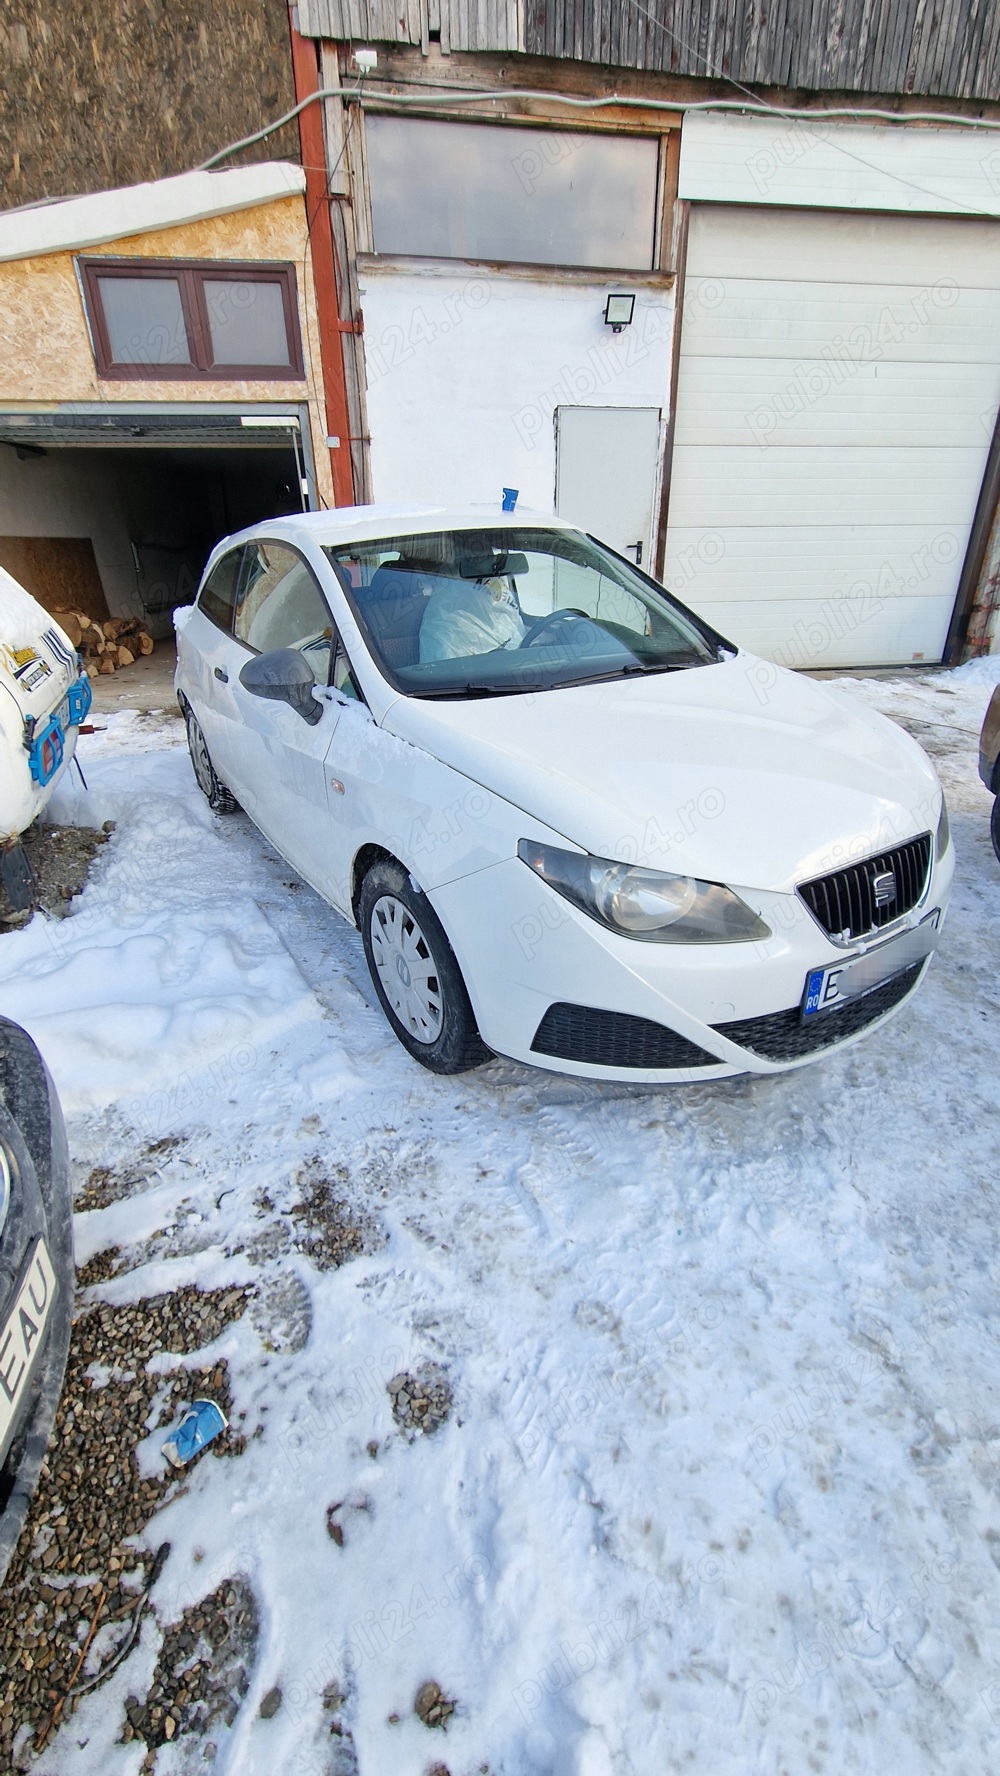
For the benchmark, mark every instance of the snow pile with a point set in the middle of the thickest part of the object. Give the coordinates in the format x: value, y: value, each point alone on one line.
x: 984, y: 671
x: 719, y: 1485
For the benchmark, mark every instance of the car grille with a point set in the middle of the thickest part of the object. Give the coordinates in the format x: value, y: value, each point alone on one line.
x: 614, y: 1039
x: 782, y: 1036
x: 848, y: 901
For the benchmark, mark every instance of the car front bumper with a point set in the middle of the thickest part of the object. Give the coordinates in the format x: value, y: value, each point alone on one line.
x: 524, y: 950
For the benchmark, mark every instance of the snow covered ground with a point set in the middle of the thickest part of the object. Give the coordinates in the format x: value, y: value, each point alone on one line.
x: 720, y: 1488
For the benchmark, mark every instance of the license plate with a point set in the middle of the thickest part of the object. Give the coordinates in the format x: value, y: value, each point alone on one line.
x: 830, y: 989
x: 22, y: 1336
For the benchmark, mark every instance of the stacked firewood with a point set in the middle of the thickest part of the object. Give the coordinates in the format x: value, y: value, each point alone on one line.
x: 109, y: 645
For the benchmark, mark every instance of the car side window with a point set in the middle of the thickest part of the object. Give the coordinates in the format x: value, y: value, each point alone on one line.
x: 218, y: 594
x: 280, y: 605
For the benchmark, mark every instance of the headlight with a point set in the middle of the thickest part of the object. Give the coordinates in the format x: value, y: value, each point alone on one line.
x: 643, y: 903
x: 943, y: 838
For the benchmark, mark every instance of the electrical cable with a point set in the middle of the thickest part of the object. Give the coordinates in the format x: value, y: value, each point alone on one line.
x: 476, y: 95
x: 750, y: 104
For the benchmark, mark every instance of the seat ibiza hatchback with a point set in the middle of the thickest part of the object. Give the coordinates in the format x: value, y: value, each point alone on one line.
x: 574, y: 825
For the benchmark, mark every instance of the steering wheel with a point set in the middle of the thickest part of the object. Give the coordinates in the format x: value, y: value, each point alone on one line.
x: 540, y: 624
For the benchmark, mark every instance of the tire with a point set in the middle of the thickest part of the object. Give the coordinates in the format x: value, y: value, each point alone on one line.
x: 219, y: 798
x: 995, y: 826
x: 428, y: 1010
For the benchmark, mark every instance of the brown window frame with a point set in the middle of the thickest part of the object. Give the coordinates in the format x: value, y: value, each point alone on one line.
x: 191, y: 275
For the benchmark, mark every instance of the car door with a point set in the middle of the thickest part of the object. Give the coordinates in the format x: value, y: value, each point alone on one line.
x: 281, y: 758
x: 208, y: 663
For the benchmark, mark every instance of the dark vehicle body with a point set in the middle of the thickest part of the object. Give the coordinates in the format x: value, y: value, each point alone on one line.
x: 989, y: 762
x: 36, y: 1272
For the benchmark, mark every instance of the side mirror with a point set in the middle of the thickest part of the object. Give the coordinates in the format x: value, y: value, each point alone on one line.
x: 285, y: 677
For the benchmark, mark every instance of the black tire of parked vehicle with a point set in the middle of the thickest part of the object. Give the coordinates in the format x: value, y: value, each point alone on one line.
x: 220, y: 799
x: 33, y: 1130
x: 995, y: 826
x: 458, y: 1047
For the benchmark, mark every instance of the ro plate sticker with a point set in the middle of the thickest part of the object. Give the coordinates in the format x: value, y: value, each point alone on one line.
x: 814, y: 990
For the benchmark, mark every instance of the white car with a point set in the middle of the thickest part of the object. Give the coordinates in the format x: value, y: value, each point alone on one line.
x: 574, y: 825
x: 44, y: 696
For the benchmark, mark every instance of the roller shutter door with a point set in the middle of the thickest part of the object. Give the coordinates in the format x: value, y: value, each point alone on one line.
x: 838, y: 385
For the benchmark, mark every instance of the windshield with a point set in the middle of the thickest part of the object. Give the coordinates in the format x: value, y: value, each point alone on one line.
x: 486, y: 612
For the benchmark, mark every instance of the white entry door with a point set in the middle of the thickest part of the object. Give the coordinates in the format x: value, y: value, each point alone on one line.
x: 607, y: 474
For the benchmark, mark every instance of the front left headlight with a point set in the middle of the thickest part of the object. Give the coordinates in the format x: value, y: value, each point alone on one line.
x: 943, y: 835
x: 643, y: 903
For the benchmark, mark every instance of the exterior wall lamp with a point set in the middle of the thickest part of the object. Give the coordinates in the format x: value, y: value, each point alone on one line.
x: 618, y: 312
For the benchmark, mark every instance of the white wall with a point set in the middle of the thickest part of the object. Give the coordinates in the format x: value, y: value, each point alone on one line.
x: 466, y: 367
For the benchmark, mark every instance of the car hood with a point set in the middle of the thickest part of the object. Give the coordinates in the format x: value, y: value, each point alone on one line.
x: 739, y: 772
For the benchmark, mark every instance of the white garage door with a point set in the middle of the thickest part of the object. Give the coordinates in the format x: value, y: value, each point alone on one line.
x: 838, y: 386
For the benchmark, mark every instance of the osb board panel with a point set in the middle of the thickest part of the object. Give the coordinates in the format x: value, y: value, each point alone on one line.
x: 60, y: 572
x: 94, y: 96
x: 274, y: 230
x: 45, y: 351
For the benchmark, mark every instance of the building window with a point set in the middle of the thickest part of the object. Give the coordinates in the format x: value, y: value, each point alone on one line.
x: 446, y: 190
x: 192, y: 322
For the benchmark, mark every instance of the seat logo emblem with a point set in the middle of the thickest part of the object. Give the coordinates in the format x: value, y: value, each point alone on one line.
x: 884, y: 888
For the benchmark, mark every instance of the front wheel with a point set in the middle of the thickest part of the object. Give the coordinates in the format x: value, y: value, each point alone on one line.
x: 219, y: 798
x: 415, y: 974
x: 995, y: 826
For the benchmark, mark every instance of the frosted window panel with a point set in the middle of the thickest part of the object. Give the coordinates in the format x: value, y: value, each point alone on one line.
x: 145, y: 320
x: 484, y: 191
x: 247, y: 321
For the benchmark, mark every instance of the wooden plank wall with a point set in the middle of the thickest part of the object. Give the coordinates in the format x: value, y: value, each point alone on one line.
x: 935, y: 47
x: 463, y: 24
x: 94, y: 95
x: 939, y: 48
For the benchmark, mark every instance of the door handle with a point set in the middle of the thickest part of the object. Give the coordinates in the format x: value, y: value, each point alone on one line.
x: 638, y: 553
x: 224, y: 676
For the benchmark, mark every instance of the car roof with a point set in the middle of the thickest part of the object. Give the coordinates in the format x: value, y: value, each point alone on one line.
x: 350, y: 524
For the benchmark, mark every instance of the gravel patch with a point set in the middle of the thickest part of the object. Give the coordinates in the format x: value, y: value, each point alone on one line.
x: 328, y: 1229
x: 61, y: 858
x: 107, y: 1184
x: 203, y: 1670
x: 421, y: 1401
x: 76, y: 1559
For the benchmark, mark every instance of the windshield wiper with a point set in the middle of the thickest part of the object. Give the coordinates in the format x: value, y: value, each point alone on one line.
x: 629, y: 671
x: 478, y: 690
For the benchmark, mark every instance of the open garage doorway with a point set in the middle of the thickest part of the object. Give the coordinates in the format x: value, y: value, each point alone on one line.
x: 115, y: 512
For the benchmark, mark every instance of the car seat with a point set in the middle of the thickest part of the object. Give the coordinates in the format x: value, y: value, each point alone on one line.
x: 393, y: 606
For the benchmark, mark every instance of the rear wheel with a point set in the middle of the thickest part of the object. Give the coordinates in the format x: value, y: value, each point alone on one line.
x: 415, y: 974
x: 219, y: 798
x: 995, y: 826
